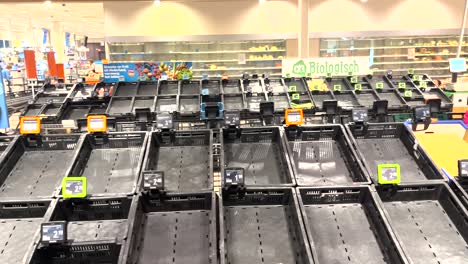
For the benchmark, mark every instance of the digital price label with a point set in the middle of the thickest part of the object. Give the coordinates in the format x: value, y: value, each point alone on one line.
x: 153, y: 180
x: 292, y: 88
x: 337, y: 87
x: 388, y: 173
x: 410, y: 71
x: 296, y: 97
x: 421, y: 113
x: 358, y: 87
x: 30, y: 125
x: 423, y: 84
x: 97, y: 123
x: 463, y: 168
x: 354, y: 79
x: 417, y: 78
x: 234, y: 176
x: 74, y: 187
x: 54, y: 232
x: 360, y: 115
x: 294, y: 117
x: 379, y: 85
x: 329, y: 75
x: 402, y: 85
x: 408, y: 94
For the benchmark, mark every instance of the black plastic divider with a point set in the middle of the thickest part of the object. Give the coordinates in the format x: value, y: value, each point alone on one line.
x: 97, y: 230
x: 173, y: 228
x: 110, y: 162
x: 20, y: 222
x: 261, y: 152
x: 5, y: 144
x: 392, y: 143
x: 32, y: 169
x: 185, y: 158
x: 323, y: 155
x: 126, y: 89
x: 168, y: 87
x: 428, y: 220
x: 262, y: 226
x: 346, y: 224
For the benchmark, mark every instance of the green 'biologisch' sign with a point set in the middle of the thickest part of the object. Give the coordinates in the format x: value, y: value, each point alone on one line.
x: 326, y: 66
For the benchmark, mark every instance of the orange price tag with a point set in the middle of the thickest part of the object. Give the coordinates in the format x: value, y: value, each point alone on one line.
x: 30, y: 125
x: 97, y: 124
x: 294, y: 117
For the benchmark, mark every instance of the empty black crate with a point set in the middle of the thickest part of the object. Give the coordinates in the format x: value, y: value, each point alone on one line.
x: 262, y: 226
x: 111, y: 164
x: 261, y: 152
x: 428, y: 220
x: 174, y: 229
x: 393, y: 143
x: 323, y: 155
x: 185, y: 158
x: 345, y: 225
x: 35, y: 168
x: 20, y: 222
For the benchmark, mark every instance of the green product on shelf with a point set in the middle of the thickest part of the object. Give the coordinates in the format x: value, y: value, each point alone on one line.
x: 408, y: 94
x: 379, y: 85
x: 358, y: 87
x: 292, y: 88
x: 295, y: 97
x: 354, y: 79
x: 402, y: 85
x: 302, y: 106
x: 337, y: 87
x: 388, y: 174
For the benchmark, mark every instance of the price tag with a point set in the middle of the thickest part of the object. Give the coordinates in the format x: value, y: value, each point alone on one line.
x: 74, y: 187
x: 164, y: 121
x: 30, y: 125
x: 360, y: 115
x: 354, y: 79
x: 379, y: 85
x: 185, y: 76
x: 294, y: 117
x: 205, y: 76
x: 292, y: 88
x: 358, y: 87
x: 411, y: 71
x: 402, y: 85
x: 153, y: 180
x: 337, y: 87
x: 388, y: 173
x: 417, y: 78
x: 329, y: 75
x: 54, y: 232
x: 295, y: 97
x: 422, y: 113
x: 97, y: 123
x: 308, y: 75
x: 463, y: 168
x: 315, y: 87
x: 234, y: 176
x: 408, y: 94
x: 423, y: 84
x: 163, y: 77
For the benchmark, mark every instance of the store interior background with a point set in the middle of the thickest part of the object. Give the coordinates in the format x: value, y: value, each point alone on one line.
x: 214, y: 33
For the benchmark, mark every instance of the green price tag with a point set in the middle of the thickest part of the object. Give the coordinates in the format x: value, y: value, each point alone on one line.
x: 296, y: 96
x: 302, y: 106
x: 337, y: 87
x: 379, y: 85
x: 410, y: 71
x: 315, y: 87
x: 350, y: 73
x: 388, y: 173
x: 401, y: 85
x: 358, y: 87
x: 417, y: 78
x: 423, y: 84
x: 408, y: 93
x: 292, y: 88
x: 329, y: 75
x: 74, y: 187
x: 354, y: 79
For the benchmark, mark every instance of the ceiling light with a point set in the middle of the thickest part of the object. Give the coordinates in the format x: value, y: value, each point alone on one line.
x: 47, y: 2
x: 157, y: 2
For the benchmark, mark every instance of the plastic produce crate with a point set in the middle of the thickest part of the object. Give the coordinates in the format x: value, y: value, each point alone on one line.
x: 255, y: 85
x: 126, y: 89
x: 96, y: 228
x: 319, y: 97
x: 232, y: 86
x: 185, y: 158
x: 143, y: 102
x: 120, y: 106
x: 78, y: 111
x: 275, y: 86
x: 346, y: 225
x: 147, y: 89
x: 261, y: 152
x: 280, y: 100
x: 110, y: 164
x: 295, y: 85
x: 347, y: 100
x: 233, y: 102
x: 190, y: 87
x: 50, y: 98
x: 367, y: 98
x: 263, y: 226
x: 174, y: 229
x: 20, y: 222
x: 35, y: 169
x: 323, y: 155
x: 252, y: 101
x: 168, y: 88
x: 5, y: 142
x: 395, y: 101
x: 33, y: 110
x: 345, y: 85
x: 387, y: 84
x: 189, y: 104
x: 166, y: 103
x: 393, y: 143
x: 210, y: 87
x: 428, y: 220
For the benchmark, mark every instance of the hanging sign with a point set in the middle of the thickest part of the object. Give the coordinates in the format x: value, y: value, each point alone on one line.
x: 324, y: 66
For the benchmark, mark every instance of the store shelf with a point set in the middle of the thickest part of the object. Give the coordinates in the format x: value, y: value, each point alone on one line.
x: 238, y: 69
x: 392, y: 47
x: 198, y: 52
x: 410, y: 62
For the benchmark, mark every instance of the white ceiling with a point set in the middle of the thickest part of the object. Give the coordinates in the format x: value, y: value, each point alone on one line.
x: 79, y: 18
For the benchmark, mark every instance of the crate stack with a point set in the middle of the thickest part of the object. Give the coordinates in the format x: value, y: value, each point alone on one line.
x: 302, y: 194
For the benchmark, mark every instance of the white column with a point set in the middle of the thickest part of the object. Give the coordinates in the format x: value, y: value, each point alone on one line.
x: 57, y: 39
x: 303, y: 6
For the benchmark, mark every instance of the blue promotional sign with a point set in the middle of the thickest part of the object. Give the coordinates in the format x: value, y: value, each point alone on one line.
x: 67, y: 39
x: 45, y: 36
x: 4, y: 122
x: 145, y: 71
